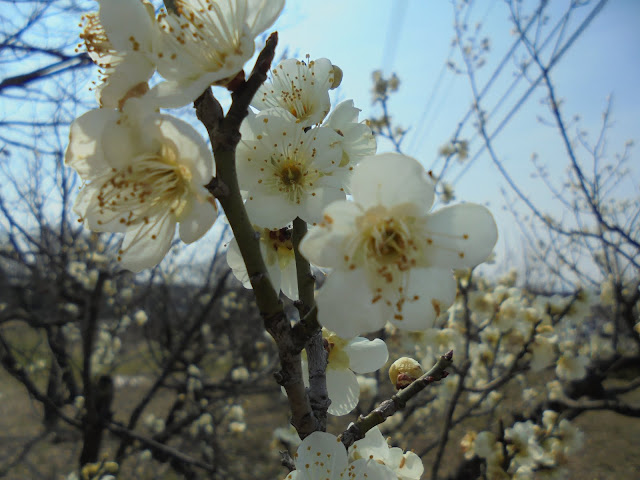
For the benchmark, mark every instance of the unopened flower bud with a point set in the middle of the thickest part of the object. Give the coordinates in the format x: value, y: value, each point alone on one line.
x: 404, y: 371
x: 337, y: 77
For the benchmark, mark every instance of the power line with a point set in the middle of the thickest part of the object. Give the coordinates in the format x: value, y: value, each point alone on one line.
x: 392, y: 37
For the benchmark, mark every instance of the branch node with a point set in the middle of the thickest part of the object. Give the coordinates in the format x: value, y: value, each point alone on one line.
x: 217, y: 188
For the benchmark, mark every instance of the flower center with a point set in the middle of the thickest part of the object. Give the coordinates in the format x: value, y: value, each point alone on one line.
x: 152, y: 183
x: 96, y: 42
x: 338, y: 358
x: 388, y: 242
x: 290, y: 174
x: 280, y: 238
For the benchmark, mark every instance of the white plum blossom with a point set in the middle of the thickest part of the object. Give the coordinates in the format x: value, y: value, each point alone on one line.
x: 358, y: 355
x: 523, y: 444
x: 300, y: 88
x: 200, y: 43
x: 276, y: 247
x: 206, y: 42
x: 391, y: 258
x: 287, y: 172
x: 142, y: 174
x: 322, y: 456
x: 571, y: 367
x: 406, y: 466
x: 543, y: 350
x: 356, y: 139
x: 119, y: 39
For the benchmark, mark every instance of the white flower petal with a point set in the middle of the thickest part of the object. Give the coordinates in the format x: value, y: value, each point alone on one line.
x: 198, y: 221
x: 122, y: 142
x: 315, y: 203
x: 343, y: 390
x: 270, y: 211
x: 411, y: 468
x: 129, y: 76
x: 85, y: 151
x: 345, y: 305
x: 194, y: 152
x: 463, y: 236
x: 369, y: 470
x: 176, y: 94
x: 146, y: 245
x: 343, y: 113
x: 366, y: 355
x: 435, y: 289
x: 323, y: 245
x: 373, y: 443
x: 261, y: 14
x: 321, y: 455
x: 234, y: 259
x: 391, y: 179
x: 289, y: 282
x: 130, y: 25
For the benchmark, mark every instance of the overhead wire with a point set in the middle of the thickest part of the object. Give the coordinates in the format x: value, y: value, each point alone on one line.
x: 392, y: 37
x: 422, y: 125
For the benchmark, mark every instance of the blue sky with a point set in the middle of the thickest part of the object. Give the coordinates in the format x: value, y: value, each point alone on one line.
x: 413, y: 39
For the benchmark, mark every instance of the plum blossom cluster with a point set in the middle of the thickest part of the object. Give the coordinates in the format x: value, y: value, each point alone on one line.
x: 322, y: 455
x: 503, y: 329
x: 293, y: 159
x: 391, y: 260
x: 528, y: 451
x: 548, y: 347
x: 195, y: 44
x: 144, y: 172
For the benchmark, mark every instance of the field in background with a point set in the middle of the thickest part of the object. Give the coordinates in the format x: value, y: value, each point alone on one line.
x: 610, y: 450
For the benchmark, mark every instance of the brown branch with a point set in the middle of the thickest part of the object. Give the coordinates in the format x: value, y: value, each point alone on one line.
x: 20, y: 81
x: 360, y: 427
x: 224, y: 134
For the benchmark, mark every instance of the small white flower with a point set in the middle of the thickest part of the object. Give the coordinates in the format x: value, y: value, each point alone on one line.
x: 571, y: 367
x: 239, y: 374
x: 391, y: 259
x: 358, y: 355
x: 276, y: 247
x: 322, y: 456
x: 523, y: 445
x: 120, y: 39
x: 140, y: 317
x: 143, y: 173
x: 368, y: 386
x: 571, y: 438
x: 543, y: 350
x: 206, y: 42
x: 300, y: 88
x: 356, y: 139
x: 406, y: 466
x: 285, y: 171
